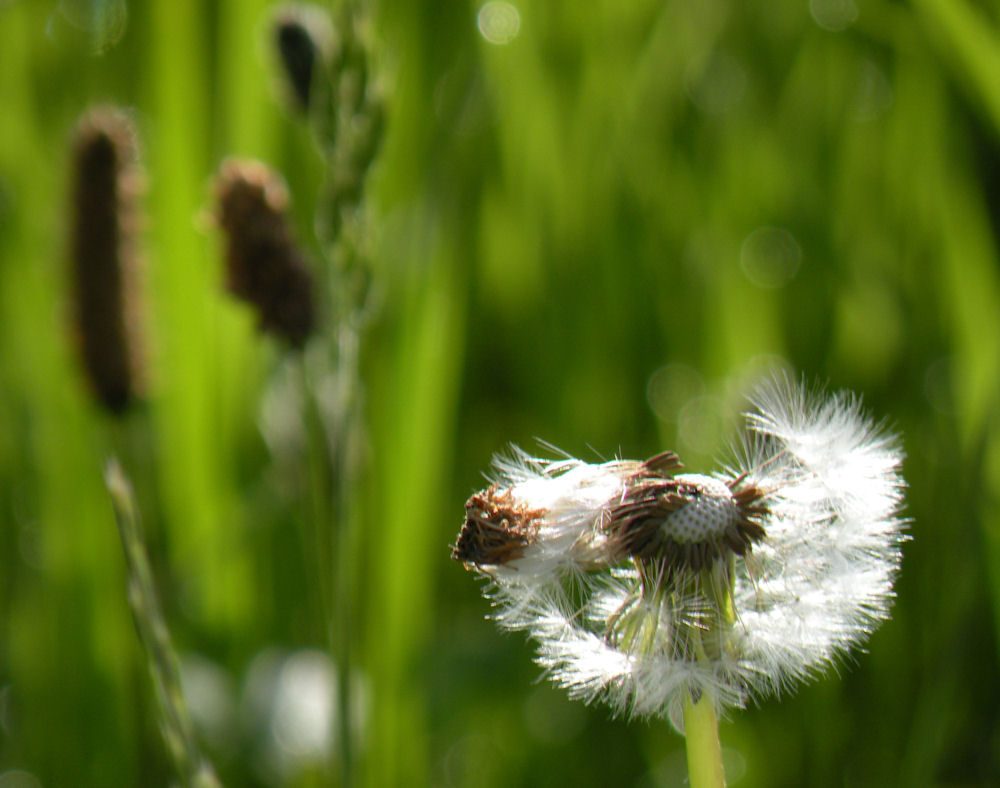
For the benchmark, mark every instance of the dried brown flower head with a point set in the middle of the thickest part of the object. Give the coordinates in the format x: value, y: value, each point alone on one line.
x: 497, y: 528
x: 263, y: 264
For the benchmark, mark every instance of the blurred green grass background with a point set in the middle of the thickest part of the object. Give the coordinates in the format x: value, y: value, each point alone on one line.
x: 594, y: 224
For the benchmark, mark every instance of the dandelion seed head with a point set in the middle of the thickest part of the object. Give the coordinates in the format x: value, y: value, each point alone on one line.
x: 643, y: 586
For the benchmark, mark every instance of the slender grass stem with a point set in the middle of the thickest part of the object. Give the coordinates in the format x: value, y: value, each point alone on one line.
x: 346, y: 472
x: 321, y: 504
x: 175, y: 721
x: 332, y: 475
x: 704, y: 753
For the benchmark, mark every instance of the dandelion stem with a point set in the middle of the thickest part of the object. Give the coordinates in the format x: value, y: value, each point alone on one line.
x: 704, y: 754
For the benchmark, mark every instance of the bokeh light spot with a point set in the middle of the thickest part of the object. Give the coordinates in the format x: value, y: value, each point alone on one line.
x: 718, y: 85
x: 699, y: 424
x: 874, y: 93
x: 671, y: 387
x: 499, y: 22
x: 303, y: 715
x: 833, y: 15
x: 18, y: 778
x: 770, y: 257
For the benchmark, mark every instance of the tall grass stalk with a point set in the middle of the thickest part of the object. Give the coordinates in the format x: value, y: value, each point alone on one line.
x: 343, y: 103
x: 175, y: 721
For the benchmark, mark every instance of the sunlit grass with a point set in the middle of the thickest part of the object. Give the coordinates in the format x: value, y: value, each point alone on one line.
x: 557, y: 219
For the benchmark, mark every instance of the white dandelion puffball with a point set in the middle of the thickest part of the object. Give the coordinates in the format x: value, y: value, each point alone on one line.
x: 643, y: 585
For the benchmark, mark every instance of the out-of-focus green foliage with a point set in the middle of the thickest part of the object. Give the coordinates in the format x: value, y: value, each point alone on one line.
x: 594, y: 223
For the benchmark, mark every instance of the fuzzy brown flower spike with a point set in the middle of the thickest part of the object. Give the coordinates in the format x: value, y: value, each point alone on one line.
x: 106, y: 181
x: 263, y: 265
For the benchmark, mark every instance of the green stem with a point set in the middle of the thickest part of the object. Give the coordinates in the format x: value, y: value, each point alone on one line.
x: 701, y: 726
x: 704, y: 753
x: 175, y: 720
x: 333, y: 475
